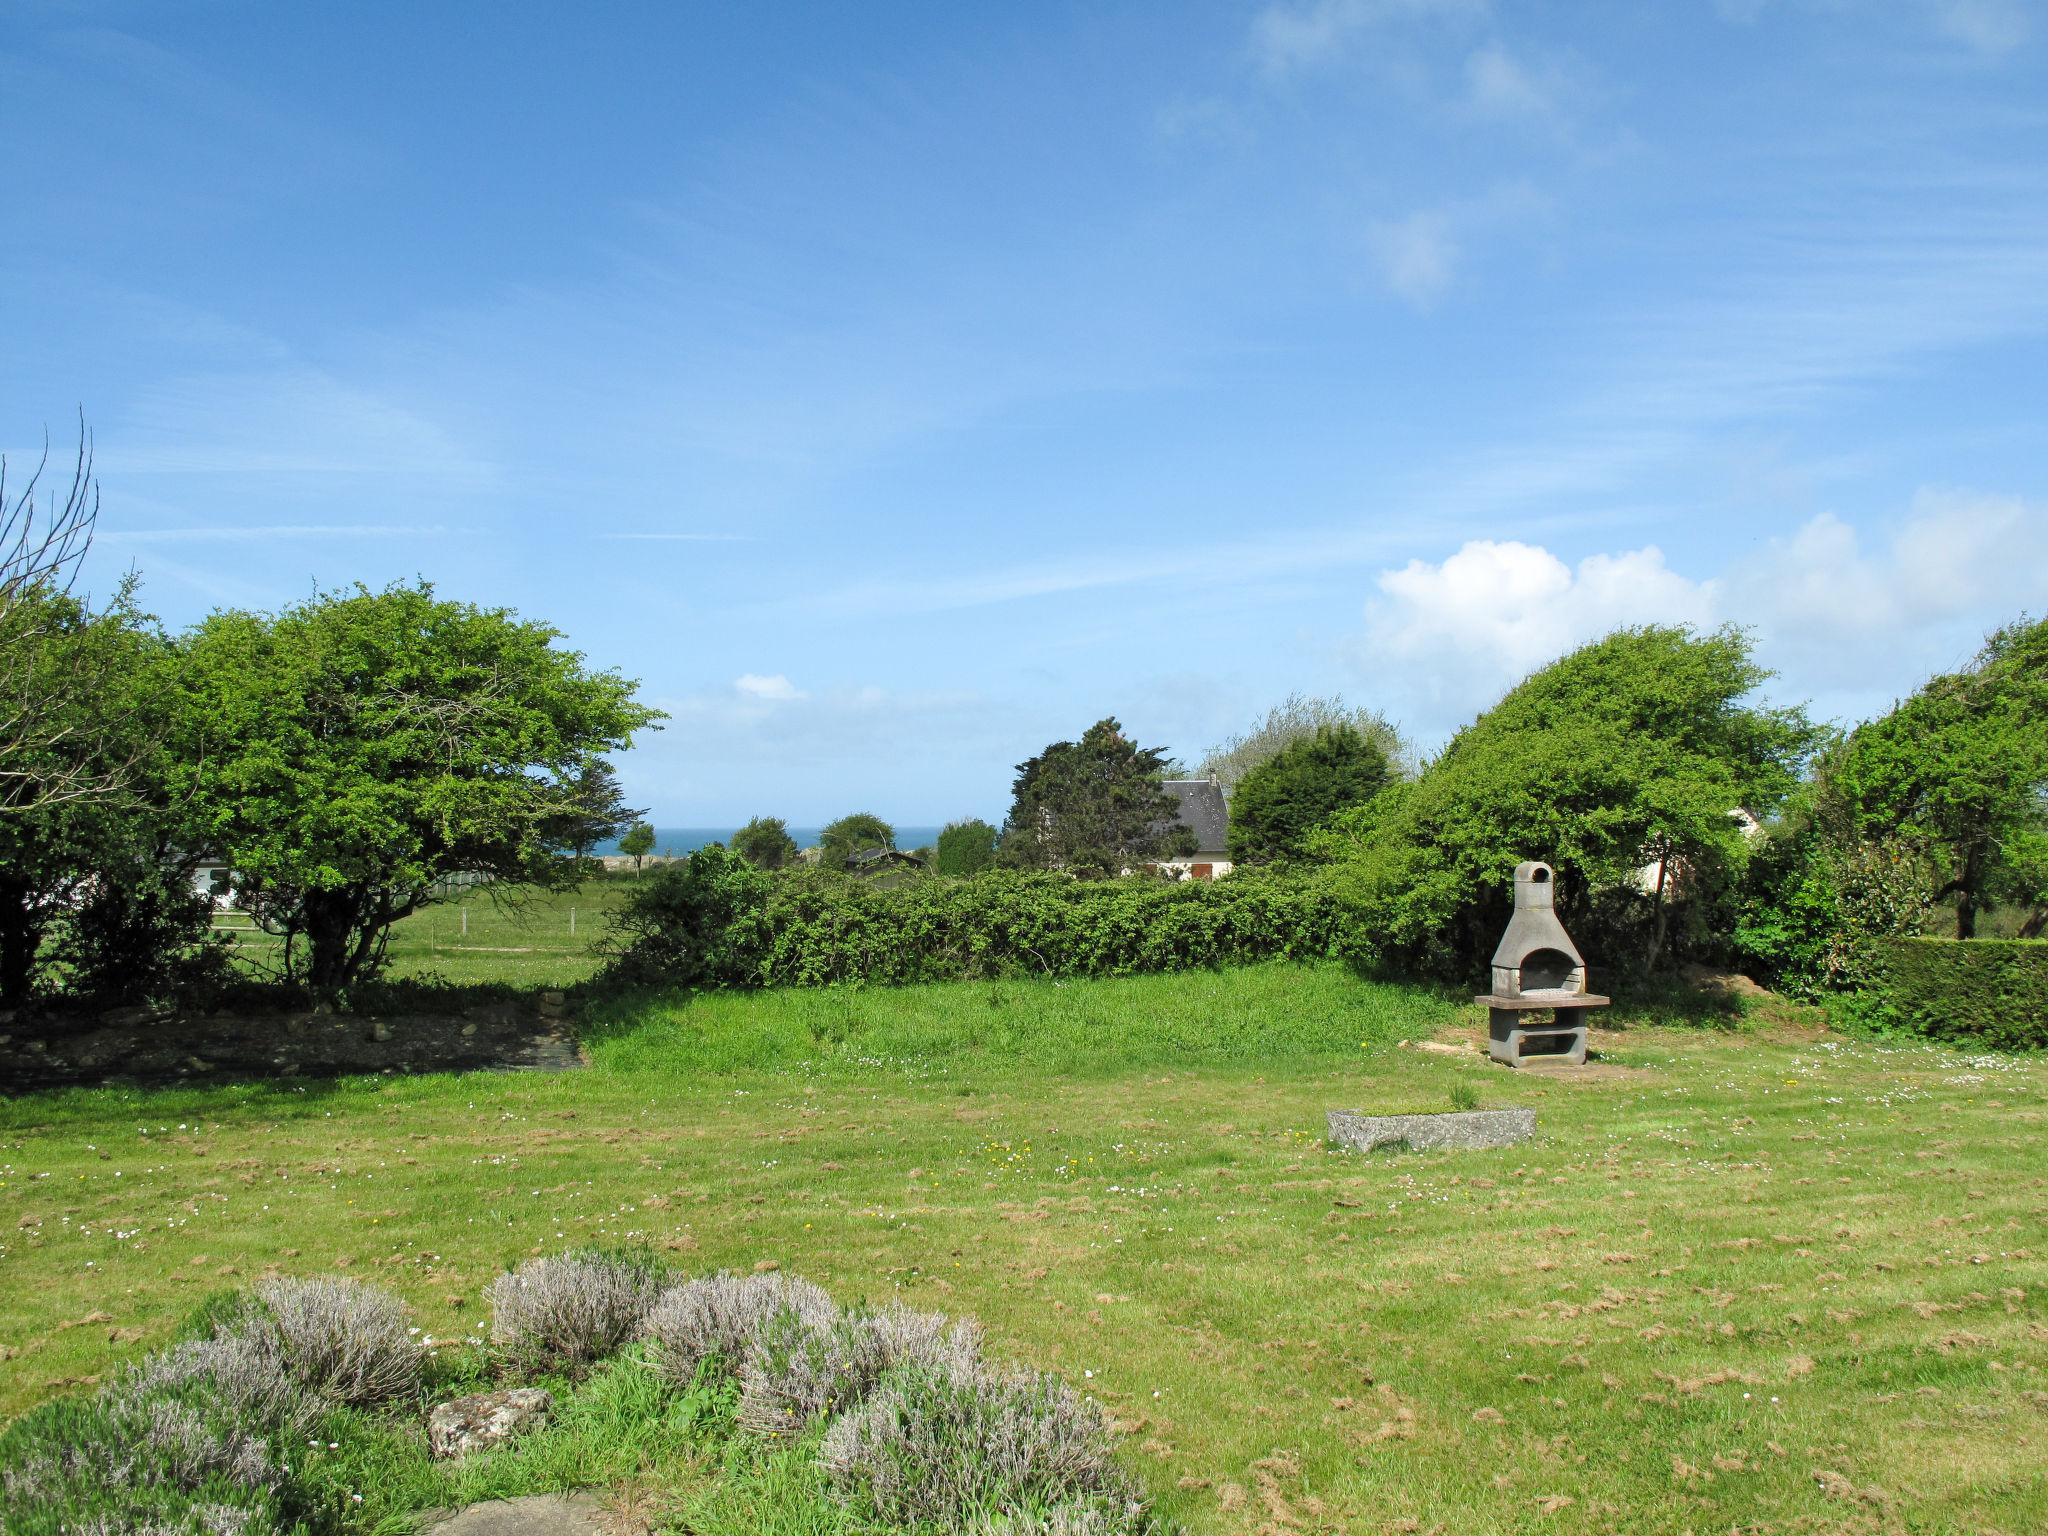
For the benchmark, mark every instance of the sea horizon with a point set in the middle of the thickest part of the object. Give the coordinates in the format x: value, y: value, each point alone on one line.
x: 681, y: 840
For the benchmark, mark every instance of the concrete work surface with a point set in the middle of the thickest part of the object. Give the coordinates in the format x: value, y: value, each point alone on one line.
x: 543, y: 1514
x: 1468, y: 1129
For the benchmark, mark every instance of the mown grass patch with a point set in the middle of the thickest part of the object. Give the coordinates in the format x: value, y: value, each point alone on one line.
x: 1765, y: 1279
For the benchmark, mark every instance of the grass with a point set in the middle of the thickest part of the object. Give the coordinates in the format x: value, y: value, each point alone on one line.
x: 517, y: 937
x: 1759, y: 1277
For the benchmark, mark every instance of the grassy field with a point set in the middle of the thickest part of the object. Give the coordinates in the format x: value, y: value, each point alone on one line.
x: 518, y: 937
x: 1760, y: 1279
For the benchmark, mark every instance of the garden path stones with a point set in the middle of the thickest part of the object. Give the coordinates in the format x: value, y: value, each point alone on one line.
x: 485, y: 1419
x: 544, y: 1514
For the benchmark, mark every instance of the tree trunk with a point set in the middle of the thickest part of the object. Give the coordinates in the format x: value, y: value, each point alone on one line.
x: 1966, y: 895
x: 330, y: 919
x: 21, y: 935
x: 1658, y: 923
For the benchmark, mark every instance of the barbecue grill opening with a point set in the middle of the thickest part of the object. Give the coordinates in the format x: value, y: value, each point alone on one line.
x: 1539, y: 874
x: 1547, y: 970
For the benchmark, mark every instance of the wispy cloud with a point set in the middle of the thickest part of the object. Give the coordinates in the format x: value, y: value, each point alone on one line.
x: 1991, y: 27
x: 283, y: 422
x: 681, y: 538
x: 1300, y: 34
x: 254, y: 532
x: 1417, y: 255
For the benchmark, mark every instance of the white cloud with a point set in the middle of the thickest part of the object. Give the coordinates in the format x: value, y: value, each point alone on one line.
x: 774, y: 687
x: 1418, y: 255
x: 1465, y: 628
x: 1848, y: 626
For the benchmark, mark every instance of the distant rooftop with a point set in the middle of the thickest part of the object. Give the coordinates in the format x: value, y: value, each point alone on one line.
x: 1202, y: 811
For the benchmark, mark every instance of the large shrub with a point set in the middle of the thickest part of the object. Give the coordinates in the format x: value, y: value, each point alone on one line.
x: 1816, y: 898
x: 1633, y: 751
x: 1284, y: 799
x: 715, y: 922
x: 1985, y: 991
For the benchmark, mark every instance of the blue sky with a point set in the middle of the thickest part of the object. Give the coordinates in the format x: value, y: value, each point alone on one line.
x: 894, y: 388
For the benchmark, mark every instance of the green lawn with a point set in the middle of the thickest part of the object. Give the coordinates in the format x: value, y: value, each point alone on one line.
x: 1764, y: 1279
x: 516, y: 936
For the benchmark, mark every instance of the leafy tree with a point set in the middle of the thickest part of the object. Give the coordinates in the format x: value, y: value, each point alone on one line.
x: 95, y: 809
x: 765, y: 843
x: 1288, y: 796
x: 849, y: 835
x: 50, y: 748
x: 346, y: 754
x: 1633, y: 750
x: 1093, y: 807
x: 965, y: 848
x: 1298, y: 717
x: 637, y: 843
x: 1960, y: 772
x: 594, y: 809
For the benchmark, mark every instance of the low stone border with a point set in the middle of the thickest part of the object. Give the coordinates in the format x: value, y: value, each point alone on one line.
x: 1469, y: 1129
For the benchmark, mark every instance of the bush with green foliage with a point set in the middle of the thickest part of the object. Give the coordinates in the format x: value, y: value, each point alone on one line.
x: 1959, y: 773
x: 1991, y: 992
x: 1282, y: 801
x: 715, y: 922
x: 965, y: 848
x: 1816, y: 895
x: 765, y: 843
x: 1632, y: 750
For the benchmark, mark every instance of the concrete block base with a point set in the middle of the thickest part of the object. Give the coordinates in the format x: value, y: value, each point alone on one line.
x: 1470, y: 1128
x: 1514, y: 1038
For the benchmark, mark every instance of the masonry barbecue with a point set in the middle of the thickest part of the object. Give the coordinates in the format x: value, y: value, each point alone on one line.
x: 1537, y: 1006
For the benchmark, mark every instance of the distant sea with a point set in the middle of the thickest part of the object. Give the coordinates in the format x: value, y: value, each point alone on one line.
x: 690, y: 839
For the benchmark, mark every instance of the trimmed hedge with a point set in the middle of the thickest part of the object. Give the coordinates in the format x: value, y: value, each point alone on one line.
x: 1990, y: 991
x: 717, y: 922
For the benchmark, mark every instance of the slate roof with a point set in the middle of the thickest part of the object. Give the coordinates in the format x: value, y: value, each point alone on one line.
x: 1203, y: 810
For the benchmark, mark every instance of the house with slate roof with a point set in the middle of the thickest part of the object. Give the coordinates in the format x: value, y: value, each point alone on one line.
x: 1204, y: 812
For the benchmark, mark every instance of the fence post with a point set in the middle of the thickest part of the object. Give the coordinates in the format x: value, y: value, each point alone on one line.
x: 572, y: 922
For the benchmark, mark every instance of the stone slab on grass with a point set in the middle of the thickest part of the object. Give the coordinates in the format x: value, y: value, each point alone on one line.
x: 541, y: 1514
x: 1458, y: 1129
